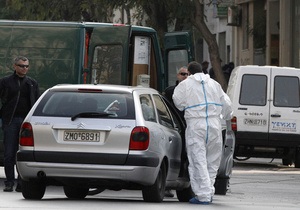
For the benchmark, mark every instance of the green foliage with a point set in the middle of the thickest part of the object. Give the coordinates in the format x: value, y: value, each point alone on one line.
x: 54, y: 10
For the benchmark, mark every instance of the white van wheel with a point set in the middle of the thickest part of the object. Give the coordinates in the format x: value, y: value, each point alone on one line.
x: 297, y: 158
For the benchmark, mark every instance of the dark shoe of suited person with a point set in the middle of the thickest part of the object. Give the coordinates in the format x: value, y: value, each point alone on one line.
x: 8, y: 187
x: 169, y: 194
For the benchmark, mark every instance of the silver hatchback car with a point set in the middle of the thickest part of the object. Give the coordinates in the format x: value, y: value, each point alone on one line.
x: 85, y: 137
x: 88, y: 138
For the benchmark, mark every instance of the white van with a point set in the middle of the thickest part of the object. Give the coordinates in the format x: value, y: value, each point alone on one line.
x: 266, y: 106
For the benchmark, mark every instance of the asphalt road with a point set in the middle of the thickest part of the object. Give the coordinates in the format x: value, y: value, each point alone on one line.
x: 255, y: 184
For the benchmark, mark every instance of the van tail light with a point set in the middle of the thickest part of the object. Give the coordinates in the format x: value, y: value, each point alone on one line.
x: 139, y: 138
x: 233, y: 124
x: 26, y: 135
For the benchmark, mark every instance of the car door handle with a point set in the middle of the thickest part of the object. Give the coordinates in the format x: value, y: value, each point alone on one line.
x: 275, y: 115
x: 170, y: 138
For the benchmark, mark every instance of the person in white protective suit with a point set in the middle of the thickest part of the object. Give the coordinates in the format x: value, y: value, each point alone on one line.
x: 204, y: 102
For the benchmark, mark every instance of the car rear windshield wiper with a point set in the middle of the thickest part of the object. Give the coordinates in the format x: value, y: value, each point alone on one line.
x: 90, y: 115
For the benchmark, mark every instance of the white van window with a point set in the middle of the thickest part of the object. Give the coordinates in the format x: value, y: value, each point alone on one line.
x: 286, y: 91
x: 253, y: 90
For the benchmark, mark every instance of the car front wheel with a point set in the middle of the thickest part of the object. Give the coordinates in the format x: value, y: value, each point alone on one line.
x: 156, y: 192
x: 76, y: 192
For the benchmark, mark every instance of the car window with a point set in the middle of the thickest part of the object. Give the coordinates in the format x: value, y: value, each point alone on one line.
x: 284, y: 85
x: 147, y: 108
x: 68, y: 104
x: 164, y: 116
x: 177, y: 118
x: 253, y: 90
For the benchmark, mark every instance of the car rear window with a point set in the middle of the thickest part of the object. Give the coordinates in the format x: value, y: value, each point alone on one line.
x: 68, y: 104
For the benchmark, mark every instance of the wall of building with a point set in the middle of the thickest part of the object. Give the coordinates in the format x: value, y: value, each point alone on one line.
x: 282, y: 34
x: 223, y: 33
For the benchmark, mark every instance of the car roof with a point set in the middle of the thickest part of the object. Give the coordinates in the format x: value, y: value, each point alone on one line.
x: 106, y: 87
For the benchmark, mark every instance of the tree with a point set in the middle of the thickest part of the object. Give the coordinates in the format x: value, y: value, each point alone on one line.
x: 197, y: 18
x: 56, y: 10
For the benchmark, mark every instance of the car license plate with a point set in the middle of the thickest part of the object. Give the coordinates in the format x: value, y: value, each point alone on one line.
x: 255, y: 122
x: 83, y: 136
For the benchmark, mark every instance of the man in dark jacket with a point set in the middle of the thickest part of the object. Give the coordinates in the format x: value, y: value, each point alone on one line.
x: 18, y: 93
x: 182, y: 74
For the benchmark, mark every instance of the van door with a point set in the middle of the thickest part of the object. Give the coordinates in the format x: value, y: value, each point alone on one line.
x: 284, y: 104
x: 178, y: 52
x: 108, y: 54
x: 252, y: 108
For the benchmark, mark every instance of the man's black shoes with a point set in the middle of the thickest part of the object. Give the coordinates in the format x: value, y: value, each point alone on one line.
x: 8, y: 188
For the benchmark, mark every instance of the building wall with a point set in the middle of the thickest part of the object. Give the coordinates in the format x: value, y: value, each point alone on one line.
x: 244, y: 41
x: 223, y: 34
x: 295, y: 5
x: 282, y: 34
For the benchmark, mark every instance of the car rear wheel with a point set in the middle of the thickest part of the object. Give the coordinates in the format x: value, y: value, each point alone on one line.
x: 156, y: 192
x: 76, y: 192
x: 185, y: 195
x: 287, y: 161
x: 33, y: 190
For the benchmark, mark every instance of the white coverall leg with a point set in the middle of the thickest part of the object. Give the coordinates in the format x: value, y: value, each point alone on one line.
x: 205, y: 143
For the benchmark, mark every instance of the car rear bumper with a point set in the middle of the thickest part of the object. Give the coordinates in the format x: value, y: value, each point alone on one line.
x: 138, y: 168
x: 137, y: 174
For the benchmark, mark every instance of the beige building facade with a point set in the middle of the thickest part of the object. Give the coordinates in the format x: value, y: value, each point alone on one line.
x: 266, y: 32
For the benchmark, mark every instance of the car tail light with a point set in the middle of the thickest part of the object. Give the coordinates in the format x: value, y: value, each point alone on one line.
x: 233, y: 124
x: 26, y: 135
x: 139, y: 138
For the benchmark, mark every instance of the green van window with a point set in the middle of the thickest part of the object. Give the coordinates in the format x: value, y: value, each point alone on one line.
x: 107, y: 64
x: 176, y: 59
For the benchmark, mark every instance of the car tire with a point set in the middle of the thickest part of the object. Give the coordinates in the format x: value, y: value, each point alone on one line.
x: 33, y: 190
x: 221, y: 186
x: 76, y: 192
x: 287, y: 161
x: 185, y: 195
x: 156, y: 192
x: 297, y: 158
